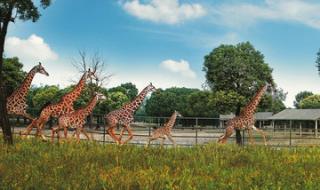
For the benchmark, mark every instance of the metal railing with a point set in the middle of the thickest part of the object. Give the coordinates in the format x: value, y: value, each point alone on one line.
x: 190, y: 131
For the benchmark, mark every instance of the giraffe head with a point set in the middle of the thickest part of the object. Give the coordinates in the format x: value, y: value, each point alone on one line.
x: 100, y: 96
x: 151, y: 88
x: 178, y: 114
x: 91, y: 74
x: 40, y: 69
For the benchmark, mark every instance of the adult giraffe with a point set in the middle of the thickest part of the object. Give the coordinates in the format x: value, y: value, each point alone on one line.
x: 16, y: 102
x: 64, y: 106
x: 245, y: 120
x: 124, y: 116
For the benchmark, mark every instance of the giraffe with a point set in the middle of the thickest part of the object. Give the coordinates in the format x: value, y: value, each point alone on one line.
x: 16, y: 102
x: 165, y: 131
x: 124, y: 116
x: 76, y: 119
x: 246, y: 120
x: 65, y: 105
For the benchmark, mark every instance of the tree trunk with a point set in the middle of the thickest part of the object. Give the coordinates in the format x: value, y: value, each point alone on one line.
x: 4, y: 120
x: 238, y: 132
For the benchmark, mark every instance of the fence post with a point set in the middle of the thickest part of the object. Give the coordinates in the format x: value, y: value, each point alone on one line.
x: 104, y: 134
x: 290, y: 132
x: 149, y: 128
x: 243, y: 137
x: 196, y: 131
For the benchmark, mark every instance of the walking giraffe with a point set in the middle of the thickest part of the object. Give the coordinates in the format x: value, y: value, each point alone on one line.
x: 246, y: 119
x: 64, y: 106
x: 165, y: 131
x: 16, y: 102
x: 76, y: 119
x: 124, y: 116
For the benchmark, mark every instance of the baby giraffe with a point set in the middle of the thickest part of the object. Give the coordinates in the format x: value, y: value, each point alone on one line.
x: 165, y: 131
x: 76, y: 119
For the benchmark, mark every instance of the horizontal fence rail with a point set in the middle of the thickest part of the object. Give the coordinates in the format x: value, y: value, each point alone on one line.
x: 188, y: 131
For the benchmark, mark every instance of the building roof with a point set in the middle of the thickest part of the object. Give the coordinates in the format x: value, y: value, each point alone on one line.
x: 297, y: 114
x: 258, y: 116
x: 263, y: 115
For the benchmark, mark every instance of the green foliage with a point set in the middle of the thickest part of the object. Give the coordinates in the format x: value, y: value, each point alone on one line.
x: 237, y: 70
x: 41, y: 96
x: 164, y: 102
x: 310, y: 102
x: 199, y: 104
x: 25, y: 9
x: 300, y: 96
x: 32, y: 164
x: 13, y: 74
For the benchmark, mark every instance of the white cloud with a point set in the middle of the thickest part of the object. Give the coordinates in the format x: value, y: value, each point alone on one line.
x: 239, y: 15
x: 181, y: 67
x: 164, y: 11
x: 32, y: 49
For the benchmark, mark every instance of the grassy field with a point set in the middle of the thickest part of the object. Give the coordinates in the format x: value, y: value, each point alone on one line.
x: 31, y: 164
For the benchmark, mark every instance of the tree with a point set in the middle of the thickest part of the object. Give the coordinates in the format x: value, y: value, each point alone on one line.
x: 310, y: 102
x: 13, y: 74
x: 237, y: 69
x: 9, y: 11
x: 300, y: 96
x: 164, y: 102
x: 199, y: 106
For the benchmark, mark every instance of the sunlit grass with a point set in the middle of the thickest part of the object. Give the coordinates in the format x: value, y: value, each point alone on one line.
x: 32, y: 164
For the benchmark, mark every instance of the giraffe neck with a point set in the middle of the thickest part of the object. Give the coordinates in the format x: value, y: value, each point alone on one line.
x: 251, y: 107
x: 135, y: 104
x: 24, y: 87
x: 75, y: 93
x: 171, y: 121
x: 91, y: 105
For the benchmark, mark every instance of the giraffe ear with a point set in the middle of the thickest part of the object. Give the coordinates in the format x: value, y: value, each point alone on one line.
x: 40, y: 63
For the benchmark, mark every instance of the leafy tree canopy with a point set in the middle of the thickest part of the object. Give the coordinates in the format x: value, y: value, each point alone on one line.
x: 300, y: 96
x: 310, y: 102
x: 236, y: 71
x: 13, y: 74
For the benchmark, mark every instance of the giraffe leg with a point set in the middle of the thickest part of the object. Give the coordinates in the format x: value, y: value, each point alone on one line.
x: 249, y: 130
x: 122, y: 132
x: 151, y: 139
x: 162, y: 141
x: 85, y: 133
x: 53, y: 131
x: 130, y: 135
x: 29, y: 128
x: 41, y: 132
x: 261, y: 133
x: 226, y: 135
x: 78, y: 131
x: 65, y: 132
x: 171, y: 139
x: 110, y: 131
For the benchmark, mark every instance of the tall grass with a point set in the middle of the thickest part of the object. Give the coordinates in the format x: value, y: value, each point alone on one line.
x: 31, y: 164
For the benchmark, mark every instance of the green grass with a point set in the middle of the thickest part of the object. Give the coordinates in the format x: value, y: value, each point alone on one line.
x: 31, y: 164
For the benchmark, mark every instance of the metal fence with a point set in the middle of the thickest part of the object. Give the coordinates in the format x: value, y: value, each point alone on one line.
x: 188, y: 131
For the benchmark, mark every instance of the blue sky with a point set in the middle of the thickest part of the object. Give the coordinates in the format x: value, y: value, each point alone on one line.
x: 164, y: 41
